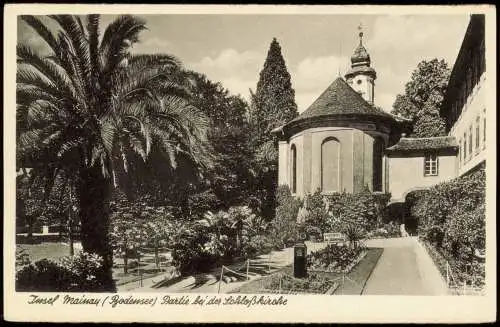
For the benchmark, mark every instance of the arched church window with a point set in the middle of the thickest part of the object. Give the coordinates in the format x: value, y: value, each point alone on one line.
x: 378, y: 150
x: 293, y: 168
x: 330, y: 165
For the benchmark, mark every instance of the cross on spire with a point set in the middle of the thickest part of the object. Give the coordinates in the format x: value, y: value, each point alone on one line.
x: 360, y: 29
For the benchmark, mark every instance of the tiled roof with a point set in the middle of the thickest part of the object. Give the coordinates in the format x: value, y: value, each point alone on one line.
x: 340, y: 99
x: 425, y: 143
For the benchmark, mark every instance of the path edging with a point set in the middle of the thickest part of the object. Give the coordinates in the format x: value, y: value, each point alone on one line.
x: 430, y: 274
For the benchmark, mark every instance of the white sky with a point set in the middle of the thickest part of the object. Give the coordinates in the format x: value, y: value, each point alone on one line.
x: 231, y: 49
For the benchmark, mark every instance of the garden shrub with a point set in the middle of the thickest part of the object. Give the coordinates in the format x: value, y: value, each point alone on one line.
x: 435, y: 234
x: 316, y: 220
x: 189, y: 254
x: 355, y: 214
x: 451, y: 217
x: 284, y: 227
x: 223, y: 235
x: 257, y: 245
x: 22, y: 257
x: 77, y: 273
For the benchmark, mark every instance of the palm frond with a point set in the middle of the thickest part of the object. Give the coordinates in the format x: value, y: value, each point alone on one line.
x: 25, y: 94
x: 67, y: 57
x: 50, y: 70
x: 42, y: 30
x: 93, y: 35
x: 73, y: 28
x: 70, y: 145
x: 164, y: 61
x: 108, y: 133
x: 137, y: 146
x: 40, y: 112
x: 119, y: 36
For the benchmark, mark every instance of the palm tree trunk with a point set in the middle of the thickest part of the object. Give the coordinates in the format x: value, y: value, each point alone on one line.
x: 94, y: 192
x: 30, y: 228
x: 70, y: 240
x: 70, y: 224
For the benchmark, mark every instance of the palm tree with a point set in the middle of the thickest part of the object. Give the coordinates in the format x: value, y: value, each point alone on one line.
x: 89, y: 107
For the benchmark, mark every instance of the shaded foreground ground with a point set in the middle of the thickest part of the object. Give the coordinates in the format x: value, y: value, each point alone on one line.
x: 399, y: 271
x: 352, y: 285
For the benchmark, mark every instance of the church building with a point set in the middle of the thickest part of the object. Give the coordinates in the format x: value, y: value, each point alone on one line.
x: 337, y: 144
x: 343, y: 143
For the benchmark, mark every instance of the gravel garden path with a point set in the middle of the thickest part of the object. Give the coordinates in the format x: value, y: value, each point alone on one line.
x: 397, y: 271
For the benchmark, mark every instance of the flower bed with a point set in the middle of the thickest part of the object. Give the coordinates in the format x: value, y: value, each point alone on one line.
x: 283, y: 282
x: 313, y: 283
x: 334, y: 258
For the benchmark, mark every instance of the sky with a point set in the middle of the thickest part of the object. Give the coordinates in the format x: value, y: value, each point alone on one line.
x: 231, y: 49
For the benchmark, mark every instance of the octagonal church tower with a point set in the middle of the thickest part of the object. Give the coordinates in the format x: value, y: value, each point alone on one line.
x: 337, y: 144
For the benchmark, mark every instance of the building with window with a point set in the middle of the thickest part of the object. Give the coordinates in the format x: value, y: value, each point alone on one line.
x: 417, y: 163
x: 464, y: 107
x: 342, y: 142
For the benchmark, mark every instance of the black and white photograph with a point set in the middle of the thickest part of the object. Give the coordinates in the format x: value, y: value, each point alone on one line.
x: 250, y: 157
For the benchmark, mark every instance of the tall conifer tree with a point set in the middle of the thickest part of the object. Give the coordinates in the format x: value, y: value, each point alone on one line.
x: 274, y: 97
x: 273, y: 104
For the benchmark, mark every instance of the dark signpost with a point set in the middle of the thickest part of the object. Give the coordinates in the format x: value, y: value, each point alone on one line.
x: 299, y: 260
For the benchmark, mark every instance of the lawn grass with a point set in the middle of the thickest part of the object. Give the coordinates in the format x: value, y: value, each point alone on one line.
x: 45, y: 250
x: 357, y: 278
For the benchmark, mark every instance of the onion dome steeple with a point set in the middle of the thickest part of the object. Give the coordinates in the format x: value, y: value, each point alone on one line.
x: 360, y: 56
x: 361, y: 77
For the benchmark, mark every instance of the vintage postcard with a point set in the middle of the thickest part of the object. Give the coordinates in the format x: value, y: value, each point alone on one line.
x: 249, y: 163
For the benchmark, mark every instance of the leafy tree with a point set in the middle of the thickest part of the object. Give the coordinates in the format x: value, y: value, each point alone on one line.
x: 93, y: 109
x: 160, y: 230
x: 423, y: 96
x: 231, y: 178
x: 42, y: 202
x: 126, y: 236
x: 136, y: 224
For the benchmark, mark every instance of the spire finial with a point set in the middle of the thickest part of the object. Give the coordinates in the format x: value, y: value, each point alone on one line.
x: 360, y: 29
x: 340, y: 55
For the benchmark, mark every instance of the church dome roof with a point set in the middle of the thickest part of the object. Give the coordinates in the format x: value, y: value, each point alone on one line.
x: 340, y: 99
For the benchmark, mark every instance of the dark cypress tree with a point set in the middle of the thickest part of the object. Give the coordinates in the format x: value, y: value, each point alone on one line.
x: 273, y: 104
x: 274, y: 97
